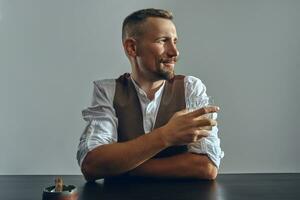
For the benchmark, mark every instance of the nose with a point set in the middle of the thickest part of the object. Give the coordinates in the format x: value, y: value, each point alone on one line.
x: 172, y: 50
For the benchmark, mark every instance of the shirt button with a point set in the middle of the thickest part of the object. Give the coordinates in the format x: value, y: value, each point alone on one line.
x: 148, y: 110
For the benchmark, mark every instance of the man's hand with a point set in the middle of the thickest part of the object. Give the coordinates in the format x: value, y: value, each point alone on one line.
x: 117, y: 158
x: 185, y: 165
x: 186, y: 127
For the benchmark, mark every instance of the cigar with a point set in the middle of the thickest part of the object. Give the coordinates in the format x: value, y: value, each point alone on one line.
x: 59, y: 184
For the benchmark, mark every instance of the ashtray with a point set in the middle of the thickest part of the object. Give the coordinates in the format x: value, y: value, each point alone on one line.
x: 60, y: 192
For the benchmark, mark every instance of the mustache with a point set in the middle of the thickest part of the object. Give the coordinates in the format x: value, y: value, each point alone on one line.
x: 166, y: 60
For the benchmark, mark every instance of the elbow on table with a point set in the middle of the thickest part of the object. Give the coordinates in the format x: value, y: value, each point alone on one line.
x: 208, y: 171
x: 212, y: 172
x: 89, y: 172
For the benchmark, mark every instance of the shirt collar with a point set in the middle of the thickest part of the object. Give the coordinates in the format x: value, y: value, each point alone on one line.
x: 143, y: 93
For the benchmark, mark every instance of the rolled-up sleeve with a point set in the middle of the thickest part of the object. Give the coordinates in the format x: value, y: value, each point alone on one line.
x: 209, y: 145
x: 101, y: 119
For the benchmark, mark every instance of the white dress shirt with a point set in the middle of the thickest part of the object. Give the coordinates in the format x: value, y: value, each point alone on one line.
x: 102, y: 122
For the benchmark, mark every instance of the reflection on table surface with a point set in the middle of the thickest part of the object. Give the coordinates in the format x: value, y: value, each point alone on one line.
x: 152, y: 189
x: 225, y: 187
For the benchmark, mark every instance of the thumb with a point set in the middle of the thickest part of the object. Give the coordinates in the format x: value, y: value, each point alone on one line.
x: 182, y: 112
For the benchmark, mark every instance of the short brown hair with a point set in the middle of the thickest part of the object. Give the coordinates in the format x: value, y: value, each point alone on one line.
x: 131, y: 24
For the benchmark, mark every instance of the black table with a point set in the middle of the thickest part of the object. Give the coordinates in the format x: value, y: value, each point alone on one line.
x: 225, y: 187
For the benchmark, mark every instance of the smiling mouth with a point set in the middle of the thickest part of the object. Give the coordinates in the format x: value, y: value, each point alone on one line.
x: 169, y: 65
x: 168, y: 62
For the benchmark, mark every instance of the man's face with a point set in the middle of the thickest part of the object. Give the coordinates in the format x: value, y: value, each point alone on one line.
x: 156, y: 49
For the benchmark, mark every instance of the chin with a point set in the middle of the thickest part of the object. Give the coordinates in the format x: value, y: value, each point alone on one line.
x: 164, y: 73
x: 168, y: 75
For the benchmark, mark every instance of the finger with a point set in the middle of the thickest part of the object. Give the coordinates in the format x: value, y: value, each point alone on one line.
x: 195, y: 138
x: 200, y: 134
x: 213, y: 116
x: 182, y: 112
x: 203, y: 133
x: 202, y: 122
x: 208, y: 128
x: 204, y: 110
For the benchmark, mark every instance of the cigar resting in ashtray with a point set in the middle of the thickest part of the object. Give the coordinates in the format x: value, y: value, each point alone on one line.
x: 59, y: 184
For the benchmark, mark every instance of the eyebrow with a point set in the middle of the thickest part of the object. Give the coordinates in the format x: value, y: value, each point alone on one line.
x: 166, y: 37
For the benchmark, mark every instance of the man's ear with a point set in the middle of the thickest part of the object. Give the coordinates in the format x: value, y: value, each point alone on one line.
x: 130, y: 47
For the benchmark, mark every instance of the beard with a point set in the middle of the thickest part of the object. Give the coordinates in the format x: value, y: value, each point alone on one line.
x: 166, y: 73
x: 161, y: 71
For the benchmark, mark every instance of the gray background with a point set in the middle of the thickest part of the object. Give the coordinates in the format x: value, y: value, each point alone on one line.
x: 246, y: 52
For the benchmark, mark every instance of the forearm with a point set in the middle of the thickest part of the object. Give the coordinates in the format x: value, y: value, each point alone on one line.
x: 117, y: 158
x: 113, y: 159
x: 187, y: 165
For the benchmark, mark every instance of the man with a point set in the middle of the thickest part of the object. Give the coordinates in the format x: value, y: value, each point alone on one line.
x: 138, y: 124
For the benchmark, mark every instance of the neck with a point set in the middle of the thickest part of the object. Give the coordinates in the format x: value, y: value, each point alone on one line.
x: 148, y: 86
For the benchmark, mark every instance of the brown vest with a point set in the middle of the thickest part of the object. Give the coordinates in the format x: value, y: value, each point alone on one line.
x: 128, y: 110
